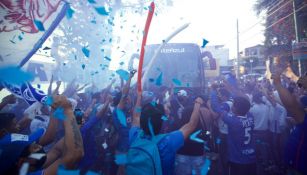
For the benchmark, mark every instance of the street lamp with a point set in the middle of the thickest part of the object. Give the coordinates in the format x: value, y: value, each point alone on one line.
x: 251, y: 63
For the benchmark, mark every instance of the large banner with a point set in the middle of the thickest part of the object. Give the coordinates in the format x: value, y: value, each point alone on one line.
x: 24, y: 27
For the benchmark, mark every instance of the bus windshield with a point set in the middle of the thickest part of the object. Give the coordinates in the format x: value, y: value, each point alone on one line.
x: 177, y: 63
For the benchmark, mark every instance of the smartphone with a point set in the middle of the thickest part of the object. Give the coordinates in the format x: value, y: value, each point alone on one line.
x: 79, y: 115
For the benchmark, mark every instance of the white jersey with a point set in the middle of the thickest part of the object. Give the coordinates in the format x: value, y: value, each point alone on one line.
x: 277, y: 118
x: 261, y: 113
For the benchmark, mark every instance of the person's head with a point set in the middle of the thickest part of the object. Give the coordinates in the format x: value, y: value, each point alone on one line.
x: 8, y: 124
x: 17, y: 149
x: 116, y: 96
x: 249, y: 87
x: 257, y: 98
x: 147, y: 97
x: 96, y: 96
x: 151, y: 117
x: 182, y: 95
x: 240, y: 106
x: 223, y: 94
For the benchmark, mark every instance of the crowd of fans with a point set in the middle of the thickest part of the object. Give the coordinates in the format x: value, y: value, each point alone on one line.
x: 236, y: 127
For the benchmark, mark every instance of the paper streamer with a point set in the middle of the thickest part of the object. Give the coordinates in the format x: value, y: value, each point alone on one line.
x: 102, y: 11
x: 49, y: 101
x: 69, y: 12
x: 159, y: 80
x: 63, y: 171
x: 123, y: 74
x: 166, y: 40
x: 86, y: 52
x: 164, y: 118
x: 146, y: 30
x: 121, y: 159
x: 121, y: 117
x: 205, y: 169
x: 14, y: 75
x: 59, y: 114
x: 39, y: 25
x: 194, y: 137
x: 91, y: 173
x: 150, y: 127
x: 176, y: 82
x: 205, y: 42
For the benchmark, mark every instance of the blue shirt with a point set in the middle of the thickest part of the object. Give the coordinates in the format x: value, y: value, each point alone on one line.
x: 241, y: 147
x: 123, y: 131
x: 88, y: 136
x: 168, y: 146
x: 296, y: 148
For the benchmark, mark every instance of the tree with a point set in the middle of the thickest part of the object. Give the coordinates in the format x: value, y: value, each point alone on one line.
x: 279, y: 31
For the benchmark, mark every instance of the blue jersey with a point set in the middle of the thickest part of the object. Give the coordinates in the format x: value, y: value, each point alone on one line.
x: 89, y: 143
x: 123, y: 130
x: 241, y: 147
x: 296, y: 149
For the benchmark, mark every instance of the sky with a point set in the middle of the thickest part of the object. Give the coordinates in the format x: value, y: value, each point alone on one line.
x: 213, y: 20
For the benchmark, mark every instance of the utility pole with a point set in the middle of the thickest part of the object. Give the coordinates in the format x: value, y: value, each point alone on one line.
x: 238, y: 51
x: 296, y: 37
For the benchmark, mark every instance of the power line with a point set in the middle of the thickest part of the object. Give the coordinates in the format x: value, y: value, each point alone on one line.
x: 286, y: 16
x: 281, y: 19
x: 254, y: 25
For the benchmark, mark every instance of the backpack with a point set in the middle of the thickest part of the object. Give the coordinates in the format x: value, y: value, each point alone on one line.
x: 143, y: 157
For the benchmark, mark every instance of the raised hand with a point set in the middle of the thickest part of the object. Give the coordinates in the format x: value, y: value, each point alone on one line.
x: 58, y: 83
x: 132, y: 72
x: 61, y: 101
x: 199, y: 100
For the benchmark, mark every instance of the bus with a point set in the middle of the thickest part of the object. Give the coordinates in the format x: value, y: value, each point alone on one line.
x: 177, y: 65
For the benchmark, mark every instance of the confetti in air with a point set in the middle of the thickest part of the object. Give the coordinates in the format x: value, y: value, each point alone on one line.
x: 194, y: 137
x: 39, y: 25
x: 86, y: 52
x: 14, y: 75
x: 102, y: 11
x: 176, y: 82
x: 205, y: 42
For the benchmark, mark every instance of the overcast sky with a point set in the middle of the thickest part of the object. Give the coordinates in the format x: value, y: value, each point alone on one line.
x: 214, y: 20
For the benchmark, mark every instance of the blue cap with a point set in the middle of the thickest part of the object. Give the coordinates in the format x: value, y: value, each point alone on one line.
x: 12, y: 145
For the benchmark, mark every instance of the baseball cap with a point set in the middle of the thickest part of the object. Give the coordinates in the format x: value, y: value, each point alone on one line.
x: 12, y: 145
x: 182, y: 93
